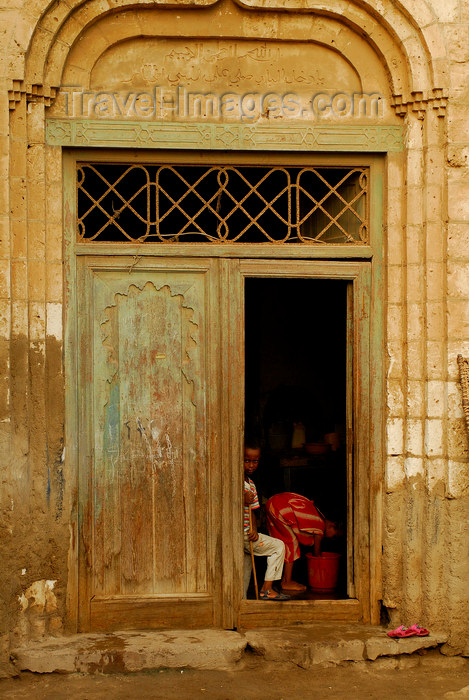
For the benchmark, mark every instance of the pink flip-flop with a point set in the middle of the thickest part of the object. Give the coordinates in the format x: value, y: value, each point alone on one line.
x: 419, y: 631
x: 402, y: 631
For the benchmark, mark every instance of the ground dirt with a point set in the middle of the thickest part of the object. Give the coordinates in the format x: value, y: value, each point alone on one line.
x: 340, y: 683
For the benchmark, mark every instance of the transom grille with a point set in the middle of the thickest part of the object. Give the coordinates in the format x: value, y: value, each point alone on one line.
x: 222, y: 204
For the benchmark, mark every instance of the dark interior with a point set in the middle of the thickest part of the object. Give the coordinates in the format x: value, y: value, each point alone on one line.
x: 295, y: 354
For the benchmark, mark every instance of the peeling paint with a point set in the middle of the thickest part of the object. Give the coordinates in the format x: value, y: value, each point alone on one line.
x: 54, y: 321
x: 39, y: 611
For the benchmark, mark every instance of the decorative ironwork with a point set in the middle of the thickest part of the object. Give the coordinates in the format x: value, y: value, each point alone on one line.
x: 222, y: 204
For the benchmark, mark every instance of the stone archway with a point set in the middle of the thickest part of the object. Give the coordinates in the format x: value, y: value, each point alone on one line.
x: 413, y: 60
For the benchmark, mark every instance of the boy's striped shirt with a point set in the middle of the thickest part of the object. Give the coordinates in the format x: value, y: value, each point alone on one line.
x: 249, y: 486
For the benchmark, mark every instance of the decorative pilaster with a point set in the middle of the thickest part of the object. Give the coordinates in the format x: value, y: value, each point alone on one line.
x: 420, y: 102
x: 33, y: 93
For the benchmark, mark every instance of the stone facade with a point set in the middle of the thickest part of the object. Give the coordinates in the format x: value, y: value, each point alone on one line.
x: 422, y: 50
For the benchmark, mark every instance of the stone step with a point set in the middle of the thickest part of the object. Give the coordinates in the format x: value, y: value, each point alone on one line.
x: 208, y: 649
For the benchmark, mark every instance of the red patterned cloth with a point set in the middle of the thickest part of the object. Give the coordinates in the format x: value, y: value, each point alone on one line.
x: 295, y: 520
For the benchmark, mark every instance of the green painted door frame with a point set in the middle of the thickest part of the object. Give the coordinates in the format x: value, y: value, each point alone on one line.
x: 361, y: 265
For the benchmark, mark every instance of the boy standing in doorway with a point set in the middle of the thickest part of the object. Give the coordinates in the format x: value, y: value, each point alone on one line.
x: 263, y: 545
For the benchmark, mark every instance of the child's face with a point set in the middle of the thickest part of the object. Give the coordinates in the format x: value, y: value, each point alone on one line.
x: 251, y: 459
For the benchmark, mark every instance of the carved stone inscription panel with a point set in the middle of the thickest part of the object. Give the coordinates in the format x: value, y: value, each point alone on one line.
x: 233, y: 80
x: 223, y: 65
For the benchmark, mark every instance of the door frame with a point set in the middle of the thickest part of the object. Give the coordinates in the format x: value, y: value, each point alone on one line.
x: 362, y: 605
x: 363, y: 265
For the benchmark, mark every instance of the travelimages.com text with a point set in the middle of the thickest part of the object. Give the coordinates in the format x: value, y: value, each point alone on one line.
x: 161, y: 103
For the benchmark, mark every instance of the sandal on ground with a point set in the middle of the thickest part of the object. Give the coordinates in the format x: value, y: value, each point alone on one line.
x: 264, y: 595
x: 419, y: 631
x: 402, y: 631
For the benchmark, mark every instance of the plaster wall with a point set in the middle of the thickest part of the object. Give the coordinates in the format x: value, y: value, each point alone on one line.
x: 424, y: 488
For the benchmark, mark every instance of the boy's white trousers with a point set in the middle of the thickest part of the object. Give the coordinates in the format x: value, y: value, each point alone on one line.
x: 265, y: 546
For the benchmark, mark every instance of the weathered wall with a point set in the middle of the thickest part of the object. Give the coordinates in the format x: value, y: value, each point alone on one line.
x: 425, y: 564
x: 425, y: 477
x: 35, y: 513
x: 34, y: 516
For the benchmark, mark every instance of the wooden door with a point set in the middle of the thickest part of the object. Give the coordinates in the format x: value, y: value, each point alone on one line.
x: 160, y: 430
x: 149, y: 515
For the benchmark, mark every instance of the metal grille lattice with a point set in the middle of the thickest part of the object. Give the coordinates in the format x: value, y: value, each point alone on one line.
x: 222, y: 204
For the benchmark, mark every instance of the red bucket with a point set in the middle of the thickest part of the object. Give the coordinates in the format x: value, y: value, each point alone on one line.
x: 323, y: 571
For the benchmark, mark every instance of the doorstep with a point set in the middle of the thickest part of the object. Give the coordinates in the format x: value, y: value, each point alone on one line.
x: 209, y: 649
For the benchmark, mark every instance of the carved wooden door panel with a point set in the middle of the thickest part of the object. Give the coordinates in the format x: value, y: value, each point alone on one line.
x: 149, y: 511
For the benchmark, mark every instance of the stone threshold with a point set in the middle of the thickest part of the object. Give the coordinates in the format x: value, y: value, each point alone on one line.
x: 304, y: 646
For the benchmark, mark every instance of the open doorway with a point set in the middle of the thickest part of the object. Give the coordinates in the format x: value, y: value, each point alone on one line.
x: 296, y: 400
